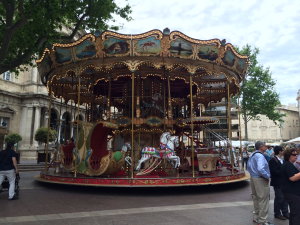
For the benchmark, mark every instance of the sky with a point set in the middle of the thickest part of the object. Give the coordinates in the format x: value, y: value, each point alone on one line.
x: 272, y: 26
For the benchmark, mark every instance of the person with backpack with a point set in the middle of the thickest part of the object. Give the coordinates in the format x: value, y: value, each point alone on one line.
x: 258, y: 168
x: 9, y: 169
x: 245, y: 157
x: 281, y: 210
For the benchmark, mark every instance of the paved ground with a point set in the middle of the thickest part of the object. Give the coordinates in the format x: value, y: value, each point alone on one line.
x: 41, y: 203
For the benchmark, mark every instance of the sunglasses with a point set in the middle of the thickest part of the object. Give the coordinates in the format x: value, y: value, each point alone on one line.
x: 294, y: 154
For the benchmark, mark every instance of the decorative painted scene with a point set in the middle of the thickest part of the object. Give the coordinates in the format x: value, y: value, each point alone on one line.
x: 181, y: 48
x: 148, y: 46
x: 116, y: 46
x: 208, y: 52
x: 47, y: 62
x: 229, y: 58
x: 86, y: 50
x: 62, y: 55
x: 241, y: 65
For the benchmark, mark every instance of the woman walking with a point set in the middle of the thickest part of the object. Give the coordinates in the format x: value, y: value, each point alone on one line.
x: 291, y: 184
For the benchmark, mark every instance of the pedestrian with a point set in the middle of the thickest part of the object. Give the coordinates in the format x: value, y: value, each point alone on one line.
x: 9, y: 169
x: 297, y: 163
x: 270, y: 152
x: 258, y: 168
x: 281, y: 210
x: 245, y: 157
x: 291, y: 185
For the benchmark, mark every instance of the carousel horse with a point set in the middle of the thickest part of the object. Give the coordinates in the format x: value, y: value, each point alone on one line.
x: 125, y: 148
x: 167, y: 144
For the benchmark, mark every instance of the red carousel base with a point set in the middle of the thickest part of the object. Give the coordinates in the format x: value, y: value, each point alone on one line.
x: 180, y: 179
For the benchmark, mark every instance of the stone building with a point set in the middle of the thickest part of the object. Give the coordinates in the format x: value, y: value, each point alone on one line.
x: 24, y: 107
x: 267, y: 130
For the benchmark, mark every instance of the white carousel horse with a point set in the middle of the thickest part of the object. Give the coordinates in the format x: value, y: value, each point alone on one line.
x: 170, y: 153
x: 125, y: 148
x: 166, y: 142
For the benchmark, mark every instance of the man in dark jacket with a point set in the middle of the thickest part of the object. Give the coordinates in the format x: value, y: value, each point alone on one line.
x: 280, y: 204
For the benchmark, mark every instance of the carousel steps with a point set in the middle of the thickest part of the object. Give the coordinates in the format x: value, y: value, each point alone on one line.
x: 31, y: 167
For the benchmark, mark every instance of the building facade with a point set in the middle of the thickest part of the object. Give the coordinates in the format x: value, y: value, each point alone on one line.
x: 24, y: 107
x: 266, y: 129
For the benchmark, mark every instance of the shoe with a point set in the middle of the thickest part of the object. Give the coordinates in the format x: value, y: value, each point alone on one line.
x: 255, y: 220
x: 14, y: 198
x: 280, y: 217
x: 287, y: 217
x: 266, y: 223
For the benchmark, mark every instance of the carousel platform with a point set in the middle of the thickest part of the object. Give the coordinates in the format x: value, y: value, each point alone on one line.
x: 181, y: 179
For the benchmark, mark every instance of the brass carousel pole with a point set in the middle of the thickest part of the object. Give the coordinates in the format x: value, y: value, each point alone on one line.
x: 65, y: 121
x: 229, y: 128
x: 164, y: 99
x: 71, y: 120
x: 48, y: 128
x: 182, y: 152
x: 77, y: 139
x: 240, y: 134
x: 192, y: 125
x: 132, y: 115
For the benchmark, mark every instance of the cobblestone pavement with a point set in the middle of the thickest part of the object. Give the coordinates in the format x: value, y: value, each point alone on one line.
x: 41, y: 203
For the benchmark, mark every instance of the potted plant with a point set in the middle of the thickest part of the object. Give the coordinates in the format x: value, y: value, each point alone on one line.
x: 14, y: 138
x: 41, y: 136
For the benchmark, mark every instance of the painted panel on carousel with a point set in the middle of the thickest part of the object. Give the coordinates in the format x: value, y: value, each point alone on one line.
x: 181, y: 48
x: 62, y: 55
x: 229, y: 58
x: 86, y: 50
x: 154, y: 121
x: 241, y: 65
x: 123, y: 121
x: 114, y: 46
x: 47, y: 63
x: 149, y: 46
x: 208, y: 52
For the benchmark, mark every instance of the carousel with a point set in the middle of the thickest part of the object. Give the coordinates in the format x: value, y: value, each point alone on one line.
x: 147, y: 99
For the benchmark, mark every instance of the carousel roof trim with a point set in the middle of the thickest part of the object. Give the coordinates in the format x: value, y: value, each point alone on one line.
x: 152, y: 44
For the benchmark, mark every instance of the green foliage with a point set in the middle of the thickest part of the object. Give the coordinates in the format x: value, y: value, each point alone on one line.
x: 27, y: 27
x: 258, y: 94
x: 41, y: 135
x: 13, y: 138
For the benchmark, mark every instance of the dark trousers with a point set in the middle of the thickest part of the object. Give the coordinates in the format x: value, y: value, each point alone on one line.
x: 294, y: 203
x: 280, y: 203
x: 245, y: 161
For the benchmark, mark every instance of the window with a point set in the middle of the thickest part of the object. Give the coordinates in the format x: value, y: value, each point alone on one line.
x: 7, y: 76
x: 297, y: 123
x: 290, y: 134
x: 184, y: 137
x: 3, y: 122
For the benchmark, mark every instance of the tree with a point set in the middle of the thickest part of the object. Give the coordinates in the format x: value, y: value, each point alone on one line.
x: 27, y: 27
x: 13, y: 138
x: 258, y: 94
x: 41, y: 135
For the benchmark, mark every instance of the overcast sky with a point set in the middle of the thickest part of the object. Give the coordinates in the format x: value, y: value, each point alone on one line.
x: 272, y: 26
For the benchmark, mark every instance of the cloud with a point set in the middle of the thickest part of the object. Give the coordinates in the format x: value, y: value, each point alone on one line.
x: 273, y: 26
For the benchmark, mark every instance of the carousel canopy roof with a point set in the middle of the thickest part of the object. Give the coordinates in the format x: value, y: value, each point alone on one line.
x: 154, y: 56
